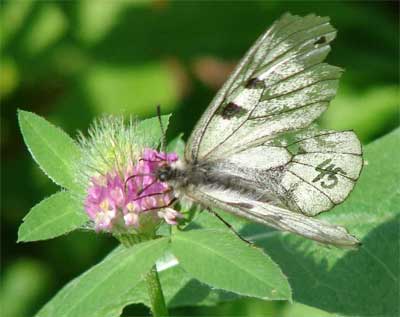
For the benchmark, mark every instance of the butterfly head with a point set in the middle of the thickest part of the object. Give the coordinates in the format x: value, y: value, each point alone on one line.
x: 164, y: 173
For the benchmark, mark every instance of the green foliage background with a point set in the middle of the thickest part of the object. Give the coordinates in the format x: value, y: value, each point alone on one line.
x: 70, y: 61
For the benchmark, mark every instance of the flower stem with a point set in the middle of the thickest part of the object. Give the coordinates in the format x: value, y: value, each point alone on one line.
x: 129, y: 240
x: 157, y: 301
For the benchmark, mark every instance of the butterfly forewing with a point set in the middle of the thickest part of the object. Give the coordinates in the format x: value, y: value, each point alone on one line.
x: 280, y: 85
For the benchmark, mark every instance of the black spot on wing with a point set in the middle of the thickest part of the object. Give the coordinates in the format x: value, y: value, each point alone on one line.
x: 254, y: 83
x: 231, y: 110
x: 321, y: 40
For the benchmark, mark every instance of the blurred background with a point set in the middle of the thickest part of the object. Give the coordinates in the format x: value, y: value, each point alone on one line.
x: 70, y: 61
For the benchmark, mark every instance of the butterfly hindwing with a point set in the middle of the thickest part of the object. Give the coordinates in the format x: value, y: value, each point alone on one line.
x: 307, y: 172
x: 324, y: 168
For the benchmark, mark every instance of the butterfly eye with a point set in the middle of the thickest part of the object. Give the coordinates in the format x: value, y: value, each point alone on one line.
x: 163, y: 176
x: 164, y: 173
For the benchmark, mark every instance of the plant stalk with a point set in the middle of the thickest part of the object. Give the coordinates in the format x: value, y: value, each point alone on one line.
x: 157, y: 301
x: 154, y: 290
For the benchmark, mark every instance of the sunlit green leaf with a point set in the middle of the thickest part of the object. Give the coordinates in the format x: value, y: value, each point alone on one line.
x: 101, y: 291
x: 297, y: 309
x: 52, y: 149
x: 52, y: 217
x: 181, y: 289
x: 177, y: 145
x: 221, y: 260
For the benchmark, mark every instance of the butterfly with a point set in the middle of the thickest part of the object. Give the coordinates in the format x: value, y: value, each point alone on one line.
x: 255, y: 152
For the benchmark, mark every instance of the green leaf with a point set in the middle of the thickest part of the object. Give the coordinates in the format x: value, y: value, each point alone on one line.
x: 221, y: 260
x: 297, y: 309
x: 190, y: 292
x: 102, y: 290
x: 52, y: 149
x: 53, y: 216
x: 150, y: 130
x: 180, y: 289
x: 364, y: 281
x: 177, y: 145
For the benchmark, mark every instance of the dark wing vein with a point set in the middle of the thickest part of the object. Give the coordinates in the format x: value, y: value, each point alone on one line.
x: 271, y: 115
x: 316, y: 136
x: 230, y: 83
x: 305, y: 181
x: 294, y: 46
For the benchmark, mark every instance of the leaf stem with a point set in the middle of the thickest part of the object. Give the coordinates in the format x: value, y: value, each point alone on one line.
x: 154, y: 290
x: 157, y: 301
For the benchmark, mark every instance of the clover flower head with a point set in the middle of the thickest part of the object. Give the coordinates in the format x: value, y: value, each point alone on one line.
x: 122, y: 193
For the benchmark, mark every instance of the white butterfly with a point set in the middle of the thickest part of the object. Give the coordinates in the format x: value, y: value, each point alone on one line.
x: 253, y: 152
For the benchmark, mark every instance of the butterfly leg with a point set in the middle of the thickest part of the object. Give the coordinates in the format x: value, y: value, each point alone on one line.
x: 230, y: 227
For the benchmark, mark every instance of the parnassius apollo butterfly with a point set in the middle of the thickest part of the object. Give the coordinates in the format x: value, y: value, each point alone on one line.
x: 255, y: 153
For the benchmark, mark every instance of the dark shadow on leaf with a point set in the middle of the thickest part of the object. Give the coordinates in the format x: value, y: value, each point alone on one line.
x: 193, y: 290
x: 201, y: 294
x: 363, y: 282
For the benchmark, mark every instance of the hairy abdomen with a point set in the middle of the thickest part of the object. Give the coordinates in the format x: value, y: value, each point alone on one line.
x: 225, y: 176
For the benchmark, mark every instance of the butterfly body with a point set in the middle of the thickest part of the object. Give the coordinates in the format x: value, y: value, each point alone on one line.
x: 213, y: 175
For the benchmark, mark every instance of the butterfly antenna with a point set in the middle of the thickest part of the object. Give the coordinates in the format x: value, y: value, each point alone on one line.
x: 163, y: 137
